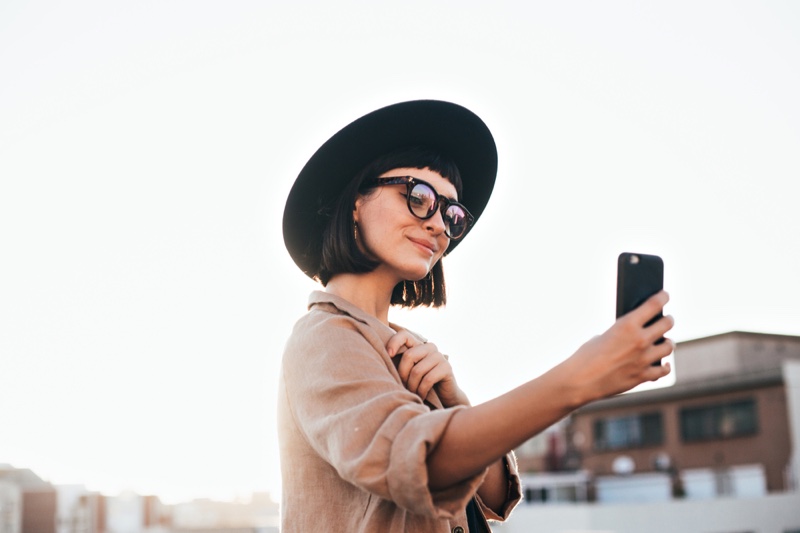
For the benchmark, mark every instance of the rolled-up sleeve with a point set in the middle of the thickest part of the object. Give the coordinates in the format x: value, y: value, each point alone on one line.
x: 513, y: 492
x: 346, y: 398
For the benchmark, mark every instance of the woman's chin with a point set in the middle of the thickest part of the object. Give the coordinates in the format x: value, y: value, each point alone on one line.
x: 419, y: 275
x: 408, y: 270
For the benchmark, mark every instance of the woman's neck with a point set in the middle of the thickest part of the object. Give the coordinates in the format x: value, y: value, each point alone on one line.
x: 370, y: 292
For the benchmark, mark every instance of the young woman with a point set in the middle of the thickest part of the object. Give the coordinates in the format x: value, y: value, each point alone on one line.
x: 375, y: 433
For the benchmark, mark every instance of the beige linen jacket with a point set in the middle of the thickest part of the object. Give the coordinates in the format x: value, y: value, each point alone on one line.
x: 354, y: 441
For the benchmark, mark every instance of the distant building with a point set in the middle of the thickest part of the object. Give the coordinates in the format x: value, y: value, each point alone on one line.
x: 39, y: 511
x: 730, y: 426
x: 90, y: 514
x: 27, y: 501
x: 259, y: 514
x: 29, y: 504
x: 10, y: 506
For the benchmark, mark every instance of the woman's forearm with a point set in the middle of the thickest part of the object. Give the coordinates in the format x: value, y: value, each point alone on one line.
x: 613, y: 362
x: 481, y: 435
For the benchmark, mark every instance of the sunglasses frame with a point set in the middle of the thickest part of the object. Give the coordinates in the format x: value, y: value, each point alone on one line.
x: 443, y: 201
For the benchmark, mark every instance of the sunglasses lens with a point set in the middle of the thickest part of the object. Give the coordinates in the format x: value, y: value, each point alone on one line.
x: 455, y: 220
x: 423, y: 203
x: 422, y: 200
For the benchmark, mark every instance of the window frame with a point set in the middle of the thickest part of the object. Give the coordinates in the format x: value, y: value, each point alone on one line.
x: 642, y: 430
x: 707, y: 422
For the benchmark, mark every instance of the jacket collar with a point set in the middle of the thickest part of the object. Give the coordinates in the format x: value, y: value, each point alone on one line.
x: 323, y: 298
x: 346, y: 307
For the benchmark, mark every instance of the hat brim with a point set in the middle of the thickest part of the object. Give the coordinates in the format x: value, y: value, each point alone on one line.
x: 451, y: 129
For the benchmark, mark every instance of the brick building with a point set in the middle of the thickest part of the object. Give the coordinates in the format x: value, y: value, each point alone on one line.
x: 728, y: 417
x: 729, y: 426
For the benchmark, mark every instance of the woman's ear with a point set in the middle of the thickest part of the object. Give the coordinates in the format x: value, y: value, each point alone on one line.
x: 359, y: 201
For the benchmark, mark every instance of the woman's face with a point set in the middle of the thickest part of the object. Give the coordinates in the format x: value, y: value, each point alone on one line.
x: 406, y: 247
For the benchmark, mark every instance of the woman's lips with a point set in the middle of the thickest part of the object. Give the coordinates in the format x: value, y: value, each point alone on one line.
x: 427, y: 245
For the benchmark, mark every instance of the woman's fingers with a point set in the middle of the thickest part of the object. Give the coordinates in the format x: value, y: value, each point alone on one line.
x: 420, y: 365
x: 424, y: 375
x: 418, y: 362
x: 649, y: 308
x: 400, y: 341
x: 661, y: 326
x: 636, y: 324
x: 423, y: 368
x: 656, y: 331
x: 654, y: 373
x: 409, y: 358
x: 659, y: 351
x: 410, y: 349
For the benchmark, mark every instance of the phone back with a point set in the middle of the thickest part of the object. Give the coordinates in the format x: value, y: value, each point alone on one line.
x: 639, y: 276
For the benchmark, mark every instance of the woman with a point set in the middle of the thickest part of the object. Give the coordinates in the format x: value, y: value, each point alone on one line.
x: 375, y: 433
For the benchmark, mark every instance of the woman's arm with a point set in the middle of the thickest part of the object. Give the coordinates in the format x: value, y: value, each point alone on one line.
x: 614, y: 362
x: 422, y: 368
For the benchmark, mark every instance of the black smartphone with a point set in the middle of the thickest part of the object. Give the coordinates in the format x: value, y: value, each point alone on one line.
x: 639, y: 276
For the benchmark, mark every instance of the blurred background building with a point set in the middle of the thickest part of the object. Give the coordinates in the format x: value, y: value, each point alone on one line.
x: 727, y: 431
x: 29, y: 504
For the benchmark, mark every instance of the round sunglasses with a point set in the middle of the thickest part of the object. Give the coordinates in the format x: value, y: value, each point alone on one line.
x: 423, y: 202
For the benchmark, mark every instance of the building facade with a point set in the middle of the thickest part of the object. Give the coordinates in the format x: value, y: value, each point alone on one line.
x: 729, y: 426
x: 723, y: 428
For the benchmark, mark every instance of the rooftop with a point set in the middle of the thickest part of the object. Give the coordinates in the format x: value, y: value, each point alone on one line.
x: 721, y: 363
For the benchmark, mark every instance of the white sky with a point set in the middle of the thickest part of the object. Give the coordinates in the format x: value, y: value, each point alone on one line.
x: 147, y: 148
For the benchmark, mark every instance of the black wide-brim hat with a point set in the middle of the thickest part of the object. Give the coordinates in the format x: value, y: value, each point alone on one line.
x: 447, y: 128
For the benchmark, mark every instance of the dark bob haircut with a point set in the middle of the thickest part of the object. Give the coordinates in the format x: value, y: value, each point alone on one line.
x: 340, y: 251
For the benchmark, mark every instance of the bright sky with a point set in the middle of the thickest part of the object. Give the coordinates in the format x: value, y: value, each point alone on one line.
x: 147, y: 148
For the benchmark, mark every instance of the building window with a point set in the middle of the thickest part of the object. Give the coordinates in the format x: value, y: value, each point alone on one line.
x: 628, y: 431
x: 719, y: 421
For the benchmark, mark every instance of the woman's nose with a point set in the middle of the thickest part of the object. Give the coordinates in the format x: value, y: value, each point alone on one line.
x: 435, y: 224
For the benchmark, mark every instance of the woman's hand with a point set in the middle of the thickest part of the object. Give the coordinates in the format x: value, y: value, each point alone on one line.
x: 624, y: 355
x: 422, y: 368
